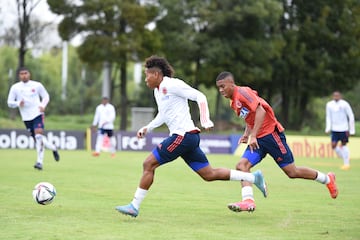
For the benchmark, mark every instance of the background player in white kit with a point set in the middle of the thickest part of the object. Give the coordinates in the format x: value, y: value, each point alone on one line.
x: 32, y: 98
x: 340, y: 122
x: 104, y: 118
x: 172, y: 95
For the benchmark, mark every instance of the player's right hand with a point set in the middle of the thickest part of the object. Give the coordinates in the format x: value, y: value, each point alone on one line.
x: 207, y: 125
x: 243, y: 139
x: 142, y: 132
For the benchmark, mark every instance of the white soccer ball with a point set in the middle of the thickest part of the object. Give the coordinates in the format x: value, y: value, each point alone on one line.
x: 44, y: 193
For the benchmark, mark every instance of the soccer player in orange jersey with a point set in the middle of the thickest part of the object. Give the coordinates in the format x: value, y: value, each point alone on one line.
x: 264, y: 135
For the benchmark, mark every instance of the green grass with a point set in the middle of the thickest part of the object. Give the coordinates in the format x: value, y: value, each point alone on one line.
x: 179, y: 205
x: 53, y: 122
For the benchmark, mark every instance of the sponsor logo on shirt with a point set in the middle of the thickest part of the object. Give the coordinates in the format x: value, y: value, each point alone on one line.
x: 244, y: 112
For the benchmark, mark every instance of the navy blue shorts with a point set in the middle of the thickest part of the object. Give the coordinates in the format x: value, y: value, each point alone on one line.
x: 37, y: 122
x: 186, y: 147
x: 343, y: 137
x: 109, y: 132
x: 273, y: 144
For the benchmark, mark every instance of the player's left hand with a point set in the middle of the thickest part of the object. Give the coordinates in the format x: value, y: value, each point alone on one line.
x: 41, y: 109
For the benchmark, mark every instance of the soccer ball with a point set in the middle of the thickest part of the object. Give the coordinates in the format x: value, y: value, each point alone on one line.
x: 44, y: 193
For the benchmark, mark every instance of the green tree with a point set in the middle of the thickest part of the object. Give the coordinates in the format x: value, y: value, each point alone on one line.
x: 322, y: 53
x: 203, y: 38
x: 115, y: 32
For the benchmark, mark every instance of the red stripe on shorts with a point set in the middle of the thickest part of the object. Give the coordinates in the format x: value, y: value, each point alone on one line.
x: 279, y: 142
x: 176, y: 143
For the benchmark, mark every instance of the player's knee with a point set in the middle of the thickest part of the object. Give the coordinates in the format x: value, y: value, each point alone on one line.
x: 150, y: 163
x: 147, y: 166
x: 292, y: 174
x: 207, y: 177
x: 243, y: 167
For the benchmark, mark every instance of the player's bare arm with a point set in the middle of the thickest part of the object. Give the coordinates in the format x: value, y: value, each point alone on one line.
x: 259, y: 119
x: 245, y: 137
x: 22, y: 103
x: 42, y: 109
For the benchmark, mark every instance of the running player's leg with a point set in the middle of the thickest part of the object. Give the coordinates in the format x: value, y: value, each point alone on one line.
x: 39, y: 147
x: 247, y: 161
x: 39, y: 130
x: 283, y: 156
x: 38, y: 143
x: 334, y: 144
x: 99, y: 142
x: 199, y: 163
x: 197, y: 160
x: 111, y: 136
x: 345, y: 150
x: 167, y: 151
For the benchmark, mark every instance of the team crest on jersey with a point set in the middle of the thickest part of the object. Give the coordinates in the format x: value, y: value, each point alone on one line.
x: 33, y: 90
x: 164, y: 91
x: 238, y: 104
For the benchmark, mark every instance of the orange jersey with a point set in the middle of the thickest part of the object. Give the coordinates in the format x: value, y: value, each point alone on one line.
x: 244, y: 103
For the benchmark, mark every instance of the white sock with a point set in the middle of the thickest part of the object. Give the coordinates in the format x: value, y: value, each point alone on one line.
x: 247, y: 193
x: 48, y: 144
x: 338, y: 151
x: 138, y: 197
x: 39, y: 148
x: 236, y: 175
x: 99, y: 142
x: 346, y: 155
x: 113, y: 144
x: 322, y: 178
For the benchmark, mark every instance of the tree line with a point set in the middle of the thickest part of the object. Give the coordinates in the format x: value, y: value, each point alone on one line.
x: 290, y: 51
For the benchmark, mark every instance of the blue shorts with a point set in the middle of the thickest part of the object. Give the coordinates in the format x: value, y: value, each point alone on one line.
x: 37, y: 122
x: 186, y: 147
x: 343, y: 137
x: 109, y: 132
x: 275, y: 145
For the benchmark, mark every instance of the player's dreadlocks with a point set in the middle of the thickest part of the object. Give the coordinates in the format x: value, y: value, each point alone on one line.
x: 161, y: 63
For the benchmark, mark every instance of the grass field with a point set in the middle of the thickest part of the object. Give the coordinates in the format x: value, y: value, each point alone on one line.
x: 179, y: 206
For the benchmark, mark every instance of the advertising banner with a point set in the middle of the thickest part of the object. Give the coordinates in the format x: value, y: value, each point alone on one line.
x: 313, y: 146
x: 21, y: 139
x: 128, y: 141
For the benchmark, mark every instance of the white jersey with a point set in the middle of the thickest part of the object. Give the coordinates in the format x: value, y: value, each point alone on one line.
x: 104, y: 116
x: 339, y: 117
x: 30, y: 92
x: 173, y: 109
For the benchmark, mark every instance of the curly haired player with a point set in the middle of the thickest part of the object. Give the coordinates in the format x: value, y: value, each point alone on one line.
x: 172, y: 96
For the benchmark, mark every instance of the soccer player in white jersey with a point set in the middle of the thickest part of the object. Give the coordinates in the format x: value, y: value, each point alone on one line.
x: 104, y: 118
x: 340, y: 122
x: 32, y: 98
x: 172, y: 95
